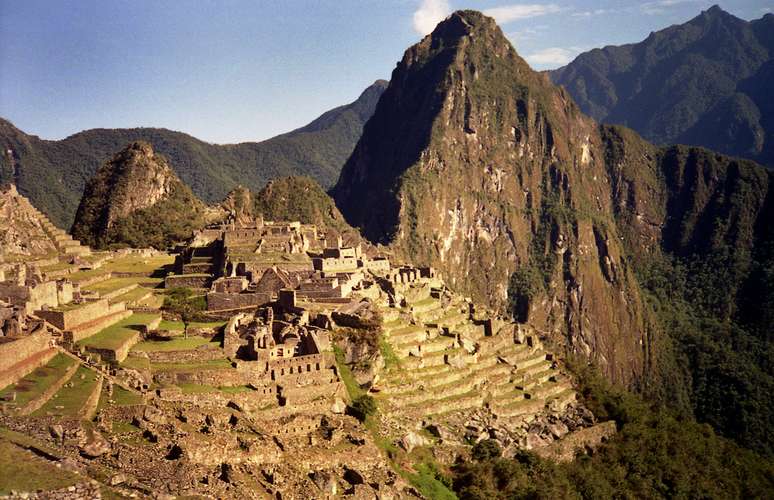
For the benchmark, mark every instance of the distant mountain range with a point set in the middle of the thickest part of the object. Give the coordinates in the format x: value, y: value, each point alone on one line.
x: 52, y: 174
x: 707, y: 82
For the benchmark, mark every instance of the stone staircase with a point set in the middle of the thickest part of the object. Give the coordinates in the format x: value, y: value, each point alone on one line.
x: 448, y: 364
x: 63, y: 242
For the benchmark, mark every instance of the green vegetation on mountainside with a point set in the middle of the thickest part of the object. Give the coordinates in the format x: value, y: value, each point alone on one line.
x: 478, y: 166
x: 301, y: 199
x: 655, y: 454
x: 171, y: 220
x: 136, y: 200
x: 52, y: 174
x: 706, y: 82
x: 708, y: 284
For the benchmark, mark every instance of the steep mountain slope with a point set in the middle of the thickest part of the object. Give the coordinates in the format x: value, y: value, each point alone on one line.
x: 137, y: 200
x: 477, y: 165
x: 702, y: 82
x: 298, y: 198
x: 53, y: 173
x: 23, y: 231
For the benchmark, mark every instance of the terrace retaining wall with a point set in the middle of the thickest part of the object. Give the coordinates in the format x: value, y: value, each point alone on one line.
x: 22, y: 348
x: 232, y: 301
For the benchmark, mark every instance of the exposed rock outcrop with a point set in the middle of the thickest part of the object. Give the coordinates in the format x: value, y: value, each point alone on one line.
x: 136, y: 199
x: 479, y: 166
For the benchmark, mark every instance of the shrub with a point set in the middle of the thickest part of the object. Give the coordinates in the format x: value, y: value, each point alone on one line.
x: 363, y: 406
x: 486, y: 450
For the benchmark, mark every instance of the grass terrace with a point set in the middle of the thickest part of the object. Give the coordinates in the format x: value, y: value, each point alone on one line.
x: 79, y: 276
x: 178, y: 325
x: 216, y: 364
x: 120, y: 397
x: 35, y: 383
x: 245, y: 254
x: 176, y: 344
x: 136, y: 363
x: 153, y: 302
x: 203, y: 389
x: 113, y: 284
x: 133, y: 296
x: 114, y: 336
x: 139, y: 264
x: 68, y: 307
x: 56, y: 267
x: 69, y: 400
x: 22, y: 470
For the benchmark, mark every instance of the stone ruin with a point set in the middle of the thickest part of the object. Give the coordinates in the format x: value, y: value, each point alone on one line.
x: 245, y: 265
x: 292, y: 359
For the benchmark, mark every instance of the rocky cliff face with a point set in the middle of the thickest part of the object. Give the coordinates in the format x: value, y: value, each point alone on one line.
x: 238, y: 206
x: 137, y: 199
x: 477, y: 165
x: 22, y: 228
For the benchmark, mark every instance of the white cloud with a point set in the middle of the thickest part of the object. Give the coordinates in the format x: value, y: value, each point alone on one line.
x: 589, y: 13
x: 508, y: 13
x: 552, y: 56
x: 528, y: 33
x: 429, y: 14
x: 660, y: 6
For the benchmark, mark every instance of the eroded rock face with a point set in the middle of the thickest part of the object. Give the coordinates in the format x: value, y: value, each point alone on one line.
x: 134, y: 180
x: 22, y: 228
x: 94, y: 445
x: 477, y: 165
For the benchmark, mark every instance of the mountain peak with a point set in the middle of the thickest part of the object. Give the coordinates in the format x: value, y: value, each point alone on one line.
x: 717, y: 14
x: 141, y: 147
x: 464, y: 23
x: 715, y: 10
x: 114, y: 202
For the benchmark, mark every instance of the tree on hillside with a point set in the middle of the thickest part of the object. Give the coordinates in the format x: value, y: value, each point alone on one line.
x: 181, y: 301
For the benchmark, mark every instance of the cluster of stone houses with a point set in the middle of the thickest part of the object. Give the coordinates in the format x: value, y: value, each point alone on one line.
x: 247, y: 265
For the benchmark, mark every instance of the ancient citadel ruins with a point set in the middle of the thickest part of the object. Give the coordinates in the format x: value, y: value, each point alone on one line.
x: 297, y: 318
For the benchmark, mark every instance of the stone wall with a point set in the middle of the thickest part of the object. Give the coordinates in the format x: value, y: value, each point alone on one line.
x: 219, y: 377
x: 99, y: 278
x: 66, y: 320
x: 298, y: 395
x: 187, y: 281
x: 116, y: 312
x: 255, y: 400
x: 334, y: 264
x: 43, y: 294
x: 198, y: 268
x: 565, y: 449
x: 33, y: 297
x: 17, y: 364
x: 299, y: 365
x: 64, y: 291
x: 22, y: 348
x: 376, y: 265
x: 187, y: 356
x: 115, y: 356
x: 232, y: 301
x: 234, y: 284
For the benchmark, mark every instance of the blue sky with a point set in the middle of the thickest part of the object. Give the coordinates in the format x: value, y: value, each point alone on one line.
x: 232, y: 71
